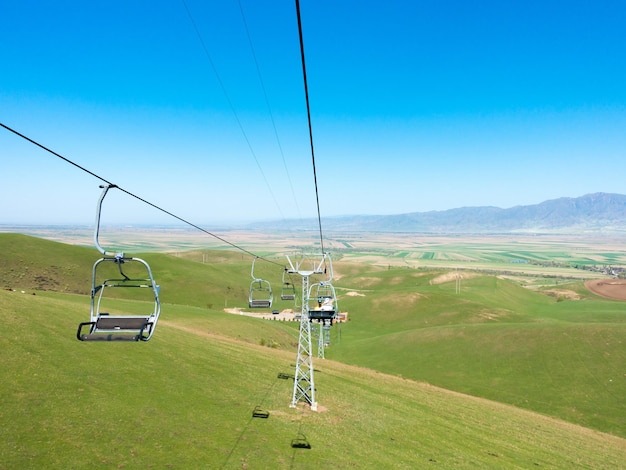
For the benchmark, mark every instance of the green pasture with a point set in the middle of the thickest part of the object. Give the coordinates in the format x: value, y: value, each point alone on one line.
x: 494, y: 339
x: 185, y: 400
x: 569, y: 257
x: 494, y: 375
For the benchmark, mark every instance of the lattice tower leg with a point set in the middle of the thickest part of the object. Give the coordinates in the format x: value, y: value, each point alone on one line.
x: 320, y: 341
x: 326, y: 334
x: 304, y: 384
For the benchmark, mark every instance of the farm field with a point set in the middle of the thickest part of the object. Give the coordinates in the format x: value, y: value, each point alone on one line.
x: 460, y: 368
x: 610, y: 288
x: 560, y: 255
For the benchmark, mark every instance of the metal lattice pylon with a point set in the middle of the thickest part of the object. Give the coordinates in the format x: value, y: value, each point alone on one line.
x: 304, y: 383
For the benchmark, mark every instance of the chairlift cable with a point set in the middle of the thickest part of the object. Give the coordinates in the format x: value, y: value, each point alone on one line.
x: 67, y: 160
x: 308, y: 112
x: 267, y: 102
x: 54, y: 153
x: 232, y: 107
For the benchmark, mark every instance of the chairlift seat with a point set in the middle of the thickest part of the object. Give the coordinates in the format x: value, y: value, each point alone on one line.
x: 322, y: 315
x: 288, y: 297
x: 112, y: 337
x: 117, y: 328
x: 107, y: 322
x: 260, y: 303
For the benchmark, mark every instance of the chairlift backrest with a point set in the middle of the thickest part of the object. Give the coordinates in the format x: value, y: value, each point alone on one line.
x: 96, y: 234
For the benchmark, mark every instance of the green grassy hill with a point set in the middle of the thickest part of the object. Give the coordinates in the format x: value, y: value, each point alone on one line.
x: 185, y: 399
x: 207, y: 279
x: 34, y: 263
x: 494, y: 339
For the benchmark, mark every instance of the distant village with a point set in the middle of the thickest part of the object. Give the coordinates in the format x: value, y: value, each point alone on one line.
x: 610, y: 271
x: 617, y: 272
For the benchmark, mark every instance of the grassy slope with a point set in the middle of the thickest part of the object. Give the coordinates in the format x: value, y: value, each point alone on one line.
x: 495, y: 340
x: 33, y: 263
x: 185, y: 400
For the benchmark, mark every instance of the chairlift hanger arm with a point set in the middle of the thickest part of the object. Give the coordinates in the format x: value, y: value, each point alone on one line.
x: 254, y: 278
x: 329, y: 271
x: 105, y: 189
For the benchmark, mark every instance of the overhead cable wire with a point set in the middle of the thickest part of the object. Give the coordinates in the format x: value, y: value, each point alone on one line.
x: 267, y: 102
x: 230, y: 104
x: 308, y: 112
x: 67, y: 160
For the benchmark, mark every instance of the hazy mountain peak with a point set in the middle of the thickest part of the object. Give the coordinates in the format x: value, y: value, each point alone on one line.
x: 597, y: 212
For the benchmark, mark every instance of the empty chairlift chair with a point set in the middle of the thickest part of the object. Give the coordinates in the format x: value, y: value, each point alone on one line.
x: 260, y: 292
x: 288, y: 291
x: 128, y: 274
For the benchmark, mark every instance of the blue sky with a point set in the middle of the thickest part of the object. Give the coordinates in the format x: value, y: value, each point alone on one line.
x: 415, y: 106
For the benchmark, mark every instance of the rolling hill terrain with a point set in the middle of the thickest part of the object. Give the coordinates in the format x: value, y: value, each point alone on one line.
x: 427, y: 375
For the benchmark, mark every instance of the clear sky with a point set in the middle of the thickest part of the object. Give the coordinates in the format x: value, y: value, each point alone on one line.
x: 415, y: 106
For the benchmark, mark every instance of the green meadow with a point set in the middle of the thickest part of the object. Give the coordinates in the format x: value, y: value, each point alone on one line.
x: 493, y: 339
x: 433, y: 368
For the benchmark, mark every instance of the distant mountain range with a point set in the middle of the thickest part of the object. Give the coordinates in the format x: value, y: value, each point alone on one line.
x: 598, y: 212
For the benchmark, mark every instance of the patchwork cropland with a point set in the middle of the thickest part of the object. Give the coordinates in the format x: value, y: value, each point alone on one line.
x: 458, y: 352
